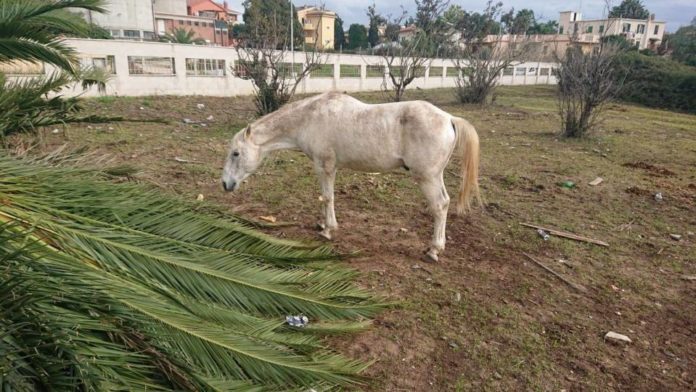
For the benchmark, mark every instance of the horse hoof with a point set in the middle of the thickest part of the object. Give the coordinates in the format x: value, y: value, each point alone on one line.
x: 430, y: 257
x: 321, y: 226
x: 325, y: 234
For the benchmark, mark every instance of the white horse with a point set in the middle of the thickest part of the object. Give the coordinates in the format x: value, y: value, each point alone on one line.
x: 338, y: 131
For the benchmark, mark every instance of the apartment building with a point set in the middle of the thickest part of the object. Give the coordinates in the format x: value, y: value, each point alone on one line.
x: 126, y: 19
x: 643, y: 33
x: 317, y: 26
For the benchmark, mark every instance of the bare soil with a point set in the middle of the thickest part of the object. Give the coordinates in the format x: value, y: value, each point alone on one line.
x: 484, y: 317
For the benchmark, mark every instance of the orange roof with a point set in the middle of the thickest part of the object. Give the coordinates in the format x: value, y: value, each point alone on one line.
x: 209, y: 5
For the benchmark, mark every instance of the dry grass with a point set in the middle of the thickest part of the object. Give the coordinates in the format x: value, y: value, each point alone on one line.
x: 485, y: 318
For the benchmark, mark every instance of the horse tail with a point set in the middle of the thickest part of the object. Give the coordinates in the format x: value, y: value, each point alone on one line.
x: 468, y: 141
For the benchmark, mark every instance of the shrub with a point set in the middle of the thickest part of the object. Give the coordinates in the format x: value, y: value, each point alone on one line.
x: 658, y: 82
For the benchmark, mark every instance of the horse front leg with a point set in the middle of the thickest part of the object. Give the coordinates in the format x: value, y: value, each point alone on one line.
x: 438, y: 203
x: 327, y: 177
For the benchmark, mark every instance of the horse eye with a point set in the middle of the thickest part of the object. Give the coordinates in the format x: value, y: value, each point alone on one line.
x: 236, y: 153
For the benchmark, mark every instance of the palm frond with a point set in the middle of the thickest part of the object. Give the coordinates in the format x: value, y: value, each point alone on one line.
x: 136, y: 297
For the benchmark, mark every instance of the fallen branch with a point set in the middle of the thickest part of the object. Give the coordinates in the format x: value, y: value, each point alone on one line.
x: 556, y: 274
x: 566, y: 234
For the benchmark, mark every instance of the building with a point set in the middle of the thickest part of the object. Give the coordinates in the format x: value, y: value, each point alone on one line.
x: 317, y: 26
x: 211, y: 9
x: 644, y: 33
x: 126, y: 19
x: 407, y: 32
x: 207, y: 19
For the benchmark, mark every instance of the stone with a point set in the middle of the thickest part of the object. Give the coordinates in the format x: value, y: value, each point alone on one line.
x: 617, y: 337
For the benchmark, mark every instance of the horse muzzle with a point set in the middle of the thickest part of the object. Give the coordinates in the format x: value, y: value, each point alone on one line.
x: 229, y: 186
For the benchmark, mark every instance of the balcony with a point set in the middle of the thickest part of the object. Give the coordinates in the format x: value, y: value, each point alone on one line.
x: 308, y: 26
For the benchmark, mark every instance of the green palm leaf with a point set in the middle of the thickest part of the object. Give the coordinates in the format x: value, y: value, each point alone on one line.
x: 134, y: 298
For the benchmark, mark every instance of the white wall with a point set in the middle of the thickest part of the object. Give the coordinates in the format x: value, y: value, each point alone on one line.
x: 126, y: 14
x: 125, y: 84
x: 175, y: 7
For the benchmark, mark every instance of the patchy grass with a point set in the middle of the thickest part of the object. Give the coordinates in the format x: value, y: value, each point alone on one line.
x: 484, y: 318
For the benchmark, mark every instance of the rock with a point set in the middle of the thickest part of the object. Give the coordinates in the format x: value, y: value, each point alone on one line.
x: 596, y: 181
x: 617, y: 337
x: 188, y: 121
x: 210, y: 118
x: 453, y: 345
x: 676, y: 237
x: 268, y: 218
x: 142, y: 108
x: 200, y: 197
x: 200, y: 106
x: 658, y: 196
x: 204, y: 125
x: 497, y: 375
x: 689, y: 277
x: 403, y: 230
x: 416, y: 267
x: 457, y: 296
x: 55, y: 131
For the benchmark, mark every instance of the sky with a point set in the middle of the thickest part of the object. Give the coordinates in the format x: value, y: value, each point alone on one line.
x: 675, y: 12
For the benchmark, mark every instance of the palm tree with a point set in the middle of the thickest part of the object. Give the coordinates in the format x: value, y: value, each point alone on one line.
x: 181, y: 35
x: 32, y: 31
x: 107, y: 286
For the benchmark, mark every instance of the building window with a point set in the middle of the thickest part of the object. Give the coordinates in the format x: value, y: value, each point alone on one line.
x: 452, y: 71
x: 188, y: 22
x: 181, y: 22
x: 131, y: 34
x: 196, y: 24
x: 589, y: 29
x: 520, y: 71
x: 508, y: 71
x: 626, y: 28
x: 560, y: 30
x: 544, y: 71
x: 115, y: 33
x: 640, y: 29
x: 148, y: 35
x: 545, y: 50
x: 107, y: 62
x: 205, y: 67
x: 657, y: 29
x: 601, y: 29
x: 145, y: 65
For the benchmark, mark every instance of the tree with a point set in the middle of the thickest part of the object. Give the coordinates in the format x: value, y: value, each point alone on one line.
x: 479, y: 59
x: 408, y: 60
x: 357, y: 36
x: 264, y: 57
x: 181, y: 35
x: 586, y: 82
x: 683, y: 44
x: 339, y: 34
x: 631, y: 9
x: 550, y: 27
x: 32, y: 31
x: 375, y: 20
x: 391, y: 33
x: 258, y: 14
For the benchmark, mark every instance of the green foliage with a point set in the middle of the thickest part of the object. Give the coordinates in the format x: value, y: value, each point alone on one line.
x: 357, y: 36
x: 630, y: 9
x: 181, y: 35
x: 107, y: 286
x: 31, y: 30
x: 683, y: 44
x: 375, y: 20
x: 260, y: 15
x: 658, y: 82
x: 339, y: 34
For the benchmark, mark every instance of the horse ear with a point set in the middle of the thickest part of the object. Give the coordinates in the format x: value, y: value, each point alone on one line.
x: 247, y: 133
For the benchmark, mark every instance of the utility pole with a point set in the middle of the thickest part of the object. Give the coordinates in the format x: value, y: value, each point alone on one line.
x: 292, y: 40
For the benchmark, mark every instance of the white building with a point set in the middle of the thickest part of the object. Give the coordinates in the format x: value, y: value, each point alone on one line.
x: 644, y: 33
x: 130, y: 19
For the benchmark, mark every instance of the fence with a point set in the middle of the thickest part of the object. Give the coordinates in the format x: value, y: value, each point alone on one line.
x: 154, y: 68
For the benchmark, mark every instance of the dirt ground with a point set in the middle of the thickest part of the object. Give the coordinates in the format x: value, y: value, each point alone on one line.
x: 485, y: 317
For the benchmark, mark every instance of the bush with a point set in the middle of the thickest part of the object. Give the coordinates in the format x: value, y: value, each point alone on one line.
x: 658, y: 82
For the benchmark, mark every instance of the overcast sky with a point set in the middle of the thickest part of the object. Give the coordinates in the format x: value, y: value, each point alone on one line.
x: 674, y: 12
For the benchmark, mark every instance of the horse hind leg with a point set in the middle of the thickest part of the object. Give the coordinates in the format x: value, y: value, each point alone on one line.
x: 438, y: 202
